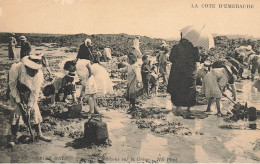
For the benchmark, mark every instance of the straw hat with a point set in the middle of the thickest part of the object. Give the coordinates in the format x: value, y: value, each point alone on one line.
x: 71, y: 74
x: 33, y: 61
x: 207, y: 63
x: 22, y: 37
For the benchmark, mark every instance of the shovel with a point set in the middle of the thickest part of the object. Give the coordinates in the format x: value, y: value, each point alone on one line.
x: 228, y: 98
x: 26, y: 118
x: 25, y: 114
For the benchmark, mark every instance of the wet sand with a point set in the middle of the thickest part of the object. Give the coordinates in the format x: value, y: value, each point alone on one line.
x: 131, y: 144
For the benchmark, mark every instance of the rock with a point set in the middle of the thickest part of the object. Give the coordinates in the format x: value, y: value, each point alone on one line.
x: 76, y: 134
x: 59, y: 133
x: 74, y: 110
x: 46, y: 127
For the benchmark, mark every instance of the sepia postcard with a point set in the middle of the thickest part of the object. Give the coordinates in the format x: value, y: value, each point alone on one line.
x: 129, y: 81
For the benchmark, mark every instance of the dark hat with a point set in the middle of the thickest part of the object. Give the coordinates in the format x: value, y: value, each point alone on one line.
x: 132, y: 56
x: 68, y: 64
x: 144, y: 57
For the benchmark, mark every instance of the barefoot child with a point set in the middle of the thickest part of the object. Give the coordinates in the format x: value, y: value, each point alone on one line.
x: 162, y: 59
x: 146, y: 74
x: 154, y: 81
x: 89, y: 88
x: 134, y: 81
x: 213, y: 84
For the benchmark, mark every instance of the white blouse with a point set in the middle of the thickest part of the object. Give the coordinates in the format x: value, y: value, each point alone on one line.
x: 18, y: 72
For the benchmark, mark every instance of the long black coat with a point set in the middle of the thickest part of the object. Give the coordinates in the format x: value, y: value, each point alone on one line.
x: 85, y: 52
x: 182, y: 79
x: 25, y: 49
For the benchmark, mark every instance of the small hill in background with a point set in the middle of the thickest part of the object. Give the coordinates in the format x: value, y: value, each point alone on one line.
x: 121, y: 44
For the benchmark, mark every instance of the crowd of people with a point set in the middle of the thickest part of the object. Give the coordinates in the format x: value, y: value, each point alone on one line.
x: 141, y: 79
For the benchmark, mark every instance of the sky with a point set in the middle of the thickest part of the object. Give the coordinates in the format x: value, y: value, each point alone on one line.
x: 154, y: 18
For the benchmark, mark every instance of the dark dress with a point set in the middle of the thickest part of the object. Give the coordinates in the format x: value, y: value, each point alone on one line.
x: 85, y: 52
x: 25, y: 49
x: 146, y: 75
x: 182, y: 79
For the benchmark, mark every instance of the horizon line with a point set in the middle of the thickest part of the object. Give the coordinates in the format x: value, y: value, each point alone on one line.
x: 153, y: 37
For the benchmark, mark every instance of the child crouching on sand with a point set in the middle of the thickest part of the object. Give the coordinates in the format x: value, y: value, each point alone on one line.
x: 134, y: 81
x: 63, y: 83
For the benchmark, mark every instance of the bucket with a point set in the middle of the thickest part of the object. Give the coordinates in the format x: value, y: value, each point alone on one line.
x: 252, y: 114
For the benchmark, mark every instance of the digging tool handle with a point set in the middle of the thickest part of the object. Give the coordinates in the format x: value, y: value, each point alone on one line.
x: 227, y: 97
x: 26, y: 118
x: 29, y: 125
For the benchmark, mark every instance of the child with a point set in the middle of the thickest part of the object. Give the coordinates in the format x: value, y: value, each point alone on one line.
x: 255, y: 61
x: 69, y: 86
x: 162, y: 59
x: 134, y: 81
x: 68, y: 83
x: 63, y: 83
x: 213, y: 84
x: 154, y: 81
x: 89, y: 88
x: 146, y: 74
x: 120, y: 65
x: 203, y: 69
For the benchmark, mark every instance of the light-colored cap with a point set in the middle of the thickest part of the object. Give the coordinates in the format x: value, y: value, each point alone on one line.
x: 22, y: 37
